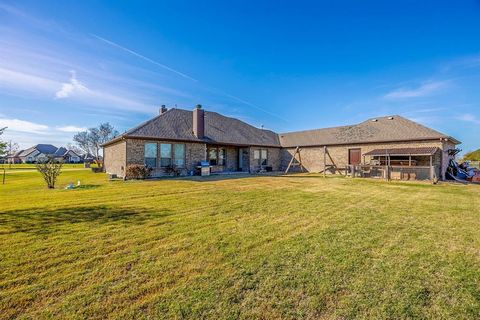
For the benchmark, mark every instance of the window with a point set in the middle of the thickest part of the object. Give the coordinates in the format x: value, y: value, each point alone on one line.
x: 212, y: 156
x: 151, y: 155
x: 179, y: 155
x: 165, y: 154
x: 260, y: 155
x: 216, y: 156
x: 221, y: 157
x: 263, y: 157
x: 256, y: 154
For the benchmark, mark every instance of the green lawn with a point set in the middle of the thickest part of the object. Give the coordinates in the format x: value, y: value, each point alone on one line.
x: 252, y: 247
x: 31, y: 166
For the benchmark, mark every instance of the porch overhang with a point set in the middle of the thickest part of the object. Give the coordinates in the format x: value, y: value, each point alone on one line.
x: 421, y: 151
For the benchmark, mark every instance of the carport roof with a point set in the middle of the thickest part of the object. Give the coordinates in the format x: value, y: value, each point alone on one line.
x: 420, y: 151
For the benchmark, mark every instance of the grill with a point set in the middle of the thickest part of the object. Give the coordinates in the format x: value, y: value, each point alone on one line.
x: 204, y: 168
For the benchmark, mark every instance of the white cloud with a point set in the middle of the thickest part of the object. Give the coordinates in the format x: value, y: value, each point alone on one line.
x: 423, y: 90
x: 23, y: 126
x: 71, y: 129
x: 71, y: 87
x: 469, y: 118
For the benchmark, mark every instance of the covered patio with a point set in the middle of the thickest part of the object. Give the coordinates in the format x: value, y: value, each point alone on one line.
x: 417, y: 163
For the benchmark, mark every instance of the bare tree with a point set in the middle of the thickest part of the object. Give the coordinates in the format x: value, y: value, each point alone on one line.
x: 75, y: 149
x: 3, y: 145
x: 12, y: 147
x: 50, y: 170
x: 91, y: 141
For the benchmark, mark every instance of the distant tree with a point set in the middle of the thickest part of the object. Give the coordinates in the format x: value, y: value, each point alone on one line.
x: 91, y: 141
x: 3, y: 145
x: 12, y: 147
x: 50, y: 170
x: 75, y: 149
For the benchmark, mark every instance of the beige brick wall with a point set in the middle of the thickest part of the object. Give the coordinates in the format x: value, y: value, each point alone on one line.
x: 312, y: 157
x: 115, y: 158
x: 194, y: 152
x: 231, y: 160
x: 273, y: 159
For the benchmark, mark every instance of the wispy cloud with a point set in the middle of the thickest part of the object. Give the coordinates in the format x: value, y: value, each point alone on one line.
x: 14, y: 79
x: 423, y: 90
x: 161, y: 65
x: 209, y: 88
x: 468, y: 117
x: 71, y: 87
x: 26, y: 82
x: 70, y: 129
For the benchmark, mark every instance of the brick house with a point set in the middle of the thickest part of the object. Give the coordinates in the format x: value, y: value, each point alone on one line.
x: 184, y: 138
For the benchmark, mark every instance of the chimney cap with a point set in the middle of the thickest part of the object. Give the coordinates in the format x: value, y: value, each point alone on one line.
x: 163, y: 109
x: 198, y: 106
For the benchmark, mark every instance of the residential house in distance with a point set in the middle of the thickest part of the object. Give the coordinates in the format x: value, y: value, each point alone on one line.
x: 185, y: 138
x: 42, y: 152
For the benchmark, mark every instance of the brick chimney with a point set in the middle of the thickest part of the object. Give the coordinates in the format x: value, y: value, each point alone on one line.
x: 163, y: 109
x: 198, y: 122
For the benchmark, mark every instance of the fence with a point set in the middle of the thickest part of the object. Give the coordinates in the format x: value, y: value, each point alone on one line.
x: 394, y: 172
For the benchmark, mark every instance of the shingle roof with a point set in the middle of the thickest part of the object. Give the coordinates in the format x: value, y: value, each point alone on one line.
x: 383, y: 129
x: 43, y: 148
x: 420, y: 151
x: 60, y: 152
x: 177, y: 124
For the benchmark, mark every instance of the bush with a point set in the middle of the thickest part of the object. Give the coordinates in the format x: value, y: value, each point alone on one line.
x: 137, y: 171
x: 173, y: 170
x: 50, y: 170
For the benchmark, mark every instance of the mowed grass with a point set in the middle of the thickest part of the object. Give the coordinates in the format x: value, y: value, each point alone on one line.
x: 267, y: 247
x: 31, y: 166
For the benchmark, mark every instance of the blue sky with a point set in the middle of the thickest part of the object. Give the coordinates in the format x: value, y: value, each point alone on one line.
x: 68, y: 65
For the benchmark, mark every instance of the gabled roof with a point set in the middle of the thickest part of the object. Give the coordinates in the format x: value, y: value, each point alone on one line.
x: 176, y: 124
x: 383, y: 129
x: 46, y: 149
x: 60, y: 152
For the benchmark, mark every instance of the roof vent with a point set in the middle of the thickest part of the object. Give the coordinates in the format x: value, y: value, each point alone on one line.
x: 390, y: 118
x: 374, y: 120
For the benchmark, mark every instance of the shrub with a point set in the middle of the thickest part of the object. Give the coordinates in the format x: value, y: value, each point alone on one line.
x: 173, y: 170
x: 137, y: 171
x: 50, y: 170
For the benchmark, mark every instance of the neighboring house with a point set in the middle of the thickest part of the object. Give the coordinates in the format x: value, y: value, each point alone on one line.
x: 67, y: 156
x: 184, y: 138
x: 14, y: 157
x: 37, y: 153
x: 42, y: 152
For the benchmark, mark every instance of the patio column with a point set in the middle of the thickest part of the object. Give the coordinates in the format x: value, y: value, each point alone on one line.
x: 431, y: 168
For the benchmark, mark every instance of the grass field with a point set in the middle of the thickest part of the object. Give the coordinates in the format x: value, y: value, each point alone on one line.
x: 31, y: 166
x: 253, y: 247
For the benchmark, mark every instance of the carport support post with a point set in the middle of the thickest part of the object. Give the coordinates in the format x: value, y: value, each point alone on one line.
x: 431, y: 168
x: 324, y: 161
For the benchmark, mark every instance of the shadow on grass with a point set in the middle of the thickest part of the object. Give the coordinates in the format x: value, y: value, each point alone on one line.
x: 42, y: 221
x: 221, y: 177
x: 86, y: 187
